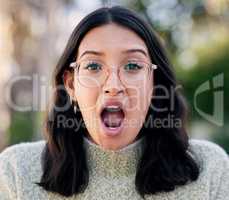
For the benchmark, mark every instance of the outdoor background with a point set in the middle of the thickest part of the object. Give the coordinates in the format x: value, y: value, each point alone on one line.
x: 33, y: 35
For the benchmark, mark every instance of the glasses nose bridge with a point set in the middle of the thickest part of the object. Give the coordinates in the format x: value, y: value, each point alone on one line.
x: 112, y: 70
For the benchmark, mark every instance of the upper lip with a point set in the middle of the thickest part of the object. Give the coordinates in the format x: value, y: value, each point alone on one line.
x: 112, y: 103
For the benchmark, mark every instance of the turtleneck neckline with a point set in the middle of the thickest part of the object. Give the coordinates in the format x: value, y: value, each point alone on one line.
x: 114, y: 163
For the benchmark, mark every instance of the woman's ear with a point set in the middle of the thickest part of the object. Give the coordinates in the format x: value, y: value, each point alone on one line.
x: 68, y: 79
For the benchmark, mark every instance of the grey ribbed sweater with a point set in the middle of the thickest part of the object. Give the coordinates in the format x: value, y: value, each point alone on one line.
x: 112, y: 174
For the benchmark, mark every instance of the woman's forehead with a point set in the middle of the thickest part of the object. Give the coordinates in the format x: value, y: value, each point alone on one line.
x: 112, y: 39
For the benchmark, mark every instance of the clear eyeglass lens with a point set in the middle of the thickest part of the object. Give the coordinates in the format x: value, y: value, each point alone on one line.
x: 94, y: 73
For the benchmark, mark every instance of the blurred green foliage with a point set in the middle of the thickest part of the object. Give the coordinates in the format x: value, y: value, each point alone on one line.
x: 21, y: 127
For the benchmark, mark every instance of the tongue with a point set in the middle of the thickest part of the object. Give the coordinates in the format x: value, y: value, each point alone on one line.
x: 112, y: 119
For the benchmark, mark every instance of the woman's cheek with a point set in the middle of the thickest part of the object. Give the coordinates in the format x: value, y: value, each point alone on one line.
x: 86, y: 98
x: 88, y: 112
x: 139, y: 106
x: 137, y: 100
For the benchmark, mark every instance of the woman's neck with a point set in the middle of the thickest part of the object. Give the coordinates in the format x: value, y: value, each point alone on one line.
x: 121, y: 162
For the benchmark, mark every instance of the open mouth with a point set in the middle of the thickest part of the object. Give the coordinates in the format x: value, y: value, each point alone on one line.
x: 112, y: 116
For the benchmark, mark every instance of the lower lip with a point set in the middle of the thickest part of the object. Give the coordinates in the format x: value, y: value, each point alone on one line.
x: 112, y: 131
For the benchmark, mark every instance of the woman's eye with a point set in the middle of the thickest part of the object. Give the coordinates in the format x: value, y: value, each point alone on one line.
x: 132, y: 66
x: 93, y: 66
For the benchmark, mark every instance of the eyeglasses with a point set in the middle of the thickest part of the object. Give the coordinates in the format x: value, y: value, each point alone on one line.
x: 94, y: 73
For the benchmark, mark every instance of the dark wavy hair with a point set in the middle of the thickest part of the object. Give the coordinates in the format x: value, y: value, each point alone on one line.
x: 165, y: 162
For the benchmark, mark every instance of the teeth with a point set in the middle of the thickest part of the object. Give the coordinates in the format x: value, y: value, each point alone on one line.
x: 113, y: 108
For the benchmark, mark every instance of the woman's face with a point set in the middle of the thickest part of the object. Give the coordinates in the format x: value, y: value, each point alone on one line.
x: 113, y: 44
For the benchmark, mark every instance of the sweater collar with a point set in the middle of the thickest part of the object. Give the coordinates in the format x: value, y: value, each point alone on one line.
x: 122, y: 162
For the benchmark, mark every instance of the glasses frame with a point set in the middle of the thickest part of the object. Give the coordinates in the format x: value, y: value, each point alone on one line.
x: 75, y: 65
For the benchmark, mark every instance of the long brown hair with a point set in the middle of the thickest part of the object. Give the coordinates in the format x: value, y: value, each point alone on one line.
x: 164, y: 163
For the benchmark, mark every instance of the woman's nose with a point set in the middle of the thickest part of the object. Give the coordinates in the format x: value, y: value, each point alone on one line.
x: 113, y: 85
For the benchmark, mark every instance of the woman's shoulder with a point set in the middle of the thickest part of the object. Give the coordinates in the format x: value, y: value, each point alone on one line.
x: 23, y: 148
x: 22, y: 153
x: 214, y: 166
x: 208, y: 154
x: 20, y: 162
x: 207, y: 149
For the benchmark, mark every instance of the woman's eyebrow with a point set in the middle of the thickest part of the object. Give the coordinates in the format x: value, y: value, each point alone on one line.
x: 98, y: 53
x: 91, y: 52
x: 136, y: 50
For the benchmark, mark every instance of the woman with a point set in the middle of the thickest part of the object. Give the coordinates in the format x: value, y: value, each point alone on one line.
x: 102, y: 141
